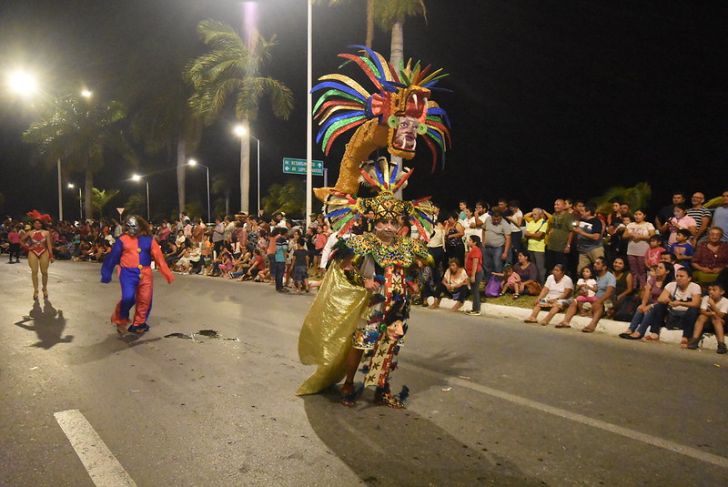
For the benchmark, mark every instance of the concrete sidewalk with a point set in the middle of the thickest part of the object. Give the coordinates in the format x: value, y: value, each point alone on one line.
x: 609, y: 327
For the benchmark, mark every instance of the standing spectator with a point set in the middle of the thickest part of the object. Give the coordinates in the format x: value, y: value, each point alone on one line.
x: 481, y: 214
x: 473, y: 267
x: 656, y: 282
x: 462, y: 205
x: 218, y: 235
x: 535, y: 233
x: 229, y: 229
x: 680, y: 220
x: 14, y: 244
x: 713, y: 309
x: 471, y: 225
x: 638, y: 234
x: 679, y: 305
x: 663, y: 216
x: 700, y: 214
x: 300, y: 266
x: 559, y: 235
x: 454, y: 232
x: 279, y: 258
x: 496, y: 244
x: 554, y: 296
x: 436, y: 248
x: 606, y: 285
x: 515, y: 219
x: 588, y: 237
x: 720, y: 217
x: 711, y: 258
x: 198, y: 232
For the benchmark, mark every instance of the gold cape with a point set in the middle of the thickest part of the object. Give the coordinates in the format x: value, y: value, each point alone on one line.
x: 325, y: 338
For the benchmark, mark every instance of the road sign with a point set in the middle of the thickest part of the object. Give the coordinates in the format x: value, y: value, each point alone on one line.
x: 298, y: 166
x: 120, y: 210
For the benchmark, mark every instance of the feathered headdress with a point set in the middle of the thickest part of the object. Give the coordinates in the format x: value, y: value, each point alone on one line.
x: 37, y: 215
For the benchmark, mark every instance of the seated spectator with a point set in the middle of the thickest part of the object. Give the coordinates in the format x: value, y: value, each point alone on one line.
x: 710, y: 258
x: 554, y: 296
x: 713, y: 309
x: 625, y: 302
x: 638, y: 234
x: 510, y: 281
x: 654, y: 252
x: 682, y: 249
x: 663, y: 274
x: 606, y: 284
x: 528, y: 273
x: 679, y: 221
x: 677, y: 307
x: 588, y: 231
x: 586, y: 288
x: 455, y: 285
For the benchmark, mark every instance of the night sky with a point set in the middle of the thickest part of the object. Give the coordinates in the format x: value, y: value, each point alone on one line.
x: 550, y: 98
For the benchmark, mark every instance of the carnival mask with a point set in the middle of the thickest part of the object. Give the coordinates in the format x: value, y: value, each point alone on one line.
x: 131, y: 226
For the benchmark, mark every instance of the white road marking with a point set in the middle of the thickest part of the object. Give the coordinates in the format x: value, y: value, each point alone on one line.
x: 579, y: 418
x: 562, y: 413
x: 101, y: 465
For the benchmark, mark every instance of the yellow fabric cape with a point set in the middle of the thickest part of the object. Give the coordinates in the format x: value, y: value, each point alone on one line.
x: 325, y: 338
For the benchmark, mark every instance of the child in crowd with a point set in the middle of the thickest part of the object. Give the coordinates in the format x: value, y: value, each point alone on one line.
x: 586, y: 287
x: 511, y: 281
x: 279, y: 258
x: 300, y: 266
x: 713, y: 310
x: 682, y: 249
x: 653, y: 253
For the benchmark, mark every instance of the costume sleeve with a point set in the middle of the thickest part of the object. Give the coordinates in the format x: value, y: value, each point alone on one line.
x: 111, y: 260
x: 158, y: 257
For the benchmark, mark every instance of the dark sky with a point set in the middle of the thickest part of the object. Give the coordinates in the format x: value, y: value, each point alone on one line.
x: 549, y: 97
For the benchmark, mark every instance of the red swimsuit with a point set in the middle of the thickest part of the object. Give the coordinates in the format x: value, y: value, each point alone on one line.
x: 38, y: 244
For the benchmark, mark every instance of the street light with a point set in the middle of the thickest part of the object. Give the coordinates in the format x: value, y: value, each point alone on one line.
x: 86, y: 93
x: 240, y: 131
x: 194, y: 163
x: 138, y: 178
x: 80, y: 200
x: 22, y: 83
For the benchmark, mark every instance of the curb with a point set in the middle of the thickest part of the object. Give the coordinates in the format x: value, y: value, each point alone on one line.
x: 608, y: 327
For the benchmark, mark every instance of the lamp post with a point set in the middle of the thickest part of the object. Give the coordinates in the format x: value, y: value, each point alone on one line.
x: 138, y: 178
x: 193, y: 163
x: 241, y: 131
x: 309, y: 123
x: 80, y: 200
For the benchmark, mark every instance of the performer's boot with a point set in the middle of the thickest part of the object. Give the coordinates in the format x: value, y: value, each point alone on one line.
x: 139, y: 329
x: 384, y: 397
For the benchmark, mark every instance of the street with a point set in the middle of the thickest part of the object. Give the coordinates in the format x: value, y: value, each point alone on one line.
x: 492, y: 401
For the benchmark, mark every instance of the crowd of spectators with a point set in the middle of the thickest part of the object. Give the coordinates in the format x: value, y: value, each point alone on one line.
x: 669, y: 271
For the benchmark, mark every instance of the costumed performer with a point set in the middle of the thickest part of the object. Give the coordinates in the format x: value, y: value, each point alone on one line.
x: 133, y: 252
x: 40, y: 250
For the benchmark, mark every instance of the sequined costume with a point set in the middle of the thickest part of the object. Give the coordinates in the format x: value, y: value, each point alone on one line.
x: 134, y: 255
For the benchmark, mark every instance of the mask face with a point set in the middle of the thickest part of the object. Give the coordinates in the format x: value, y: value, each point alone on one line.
x: 131, y: 226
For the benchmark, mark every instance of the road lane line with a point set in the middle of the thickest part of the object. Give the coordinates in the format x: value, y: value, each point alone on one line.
x: 579, y: 418
x: 101, y: 465
x: 562, y: 413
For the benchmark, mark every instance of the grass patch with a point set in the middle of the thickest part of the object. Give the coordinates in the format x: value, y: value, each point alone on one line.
x: 507, y: 300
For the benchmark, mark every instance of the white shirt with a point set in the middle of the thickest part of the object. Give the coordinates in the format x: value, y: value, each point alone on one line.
x: 640, y: 230
x: 470, y: 231
x: 677, y: 294
x: 556, y: 289
x: 722, y: 305
x: 518, y: 216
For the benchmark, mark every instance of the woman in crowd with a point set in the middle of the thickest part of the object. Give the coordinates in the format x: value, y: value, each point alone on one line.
x: 40, y: 251
x: 455, y: 285
x: 436, y: 247
x: 528, y: 273
x: 554, y: 296
x: 652, y: 290
x: 624, y: 290
x: 454, y: 232
x: 638, y: 235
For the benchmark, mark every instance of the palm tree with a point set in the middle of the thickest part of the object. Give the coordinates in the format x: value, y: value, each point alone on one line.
x: 289, y: 198
x: 101, y: 197
x: 637, y: 196
x: 80, y: 133
x: 233, y: 69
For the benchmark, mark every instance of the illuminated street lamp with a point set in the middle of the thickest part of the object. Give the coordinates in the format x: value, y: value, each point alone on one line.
x: 240, y: 131
x: 86, y: 93
x: 22, y: 83
x: 138, y: 178
x: 194, y: 163
x: 80, y: 200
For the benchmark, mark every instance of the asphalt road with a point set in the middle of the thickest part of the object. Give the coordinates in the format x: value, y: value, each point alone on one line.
x: 493, y: 401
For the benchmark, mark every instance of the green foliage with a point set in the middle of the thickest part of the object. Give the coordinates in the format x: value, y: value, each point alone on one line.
x: 387, y: 12
x: 231, y: 69
x: 194, y: 209
x: 637, y: 196
x: 135, y: 205
x: 714, y: 202
x: 101, y: 197
x: 289, y: 197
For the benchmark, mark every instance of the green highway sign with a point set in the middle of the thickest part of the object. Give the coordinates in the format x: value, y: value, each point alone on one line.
x: 298, y: 166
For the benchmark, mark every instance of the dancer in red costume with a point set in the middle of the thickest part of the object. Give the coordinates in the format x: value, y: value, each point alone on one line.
x: 133, y: 252
x: 40, y: 250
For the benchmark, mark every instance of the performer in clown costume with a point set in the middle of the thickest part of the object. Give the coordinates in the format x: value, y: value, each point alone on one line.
x: 364, y: 300
x: 133, y: 252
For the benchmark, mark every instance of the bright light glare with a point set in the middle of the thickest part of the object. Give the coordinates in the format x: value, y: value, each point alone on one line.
x: 22, y: 83
x: 86, y: 93
x: 240, y: 131
x: 136, y: 178
x: 192, y: 162
x: 71, y: 185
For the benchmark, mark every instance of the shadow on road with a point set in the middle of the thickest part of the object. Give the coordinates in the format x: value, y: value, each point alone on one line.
x: 48, y: 324
x: 390, y: 447
x: 111, y: 345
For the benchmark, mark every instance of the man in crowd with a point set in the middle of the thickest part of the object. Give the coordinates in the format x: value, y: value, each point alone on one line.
x: 700, y: 214
x: 496, y: 243
x: 588, y: 232
x: 559, y: 235
x: 720, y: 217
x: 535, y: 233
x: 662, y: 219
x: 679, y: 305
x: 606, y: 285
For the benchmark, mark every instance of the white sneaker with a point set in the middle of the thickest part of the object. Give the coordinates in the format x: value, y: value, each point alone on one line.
x: 473, y: 313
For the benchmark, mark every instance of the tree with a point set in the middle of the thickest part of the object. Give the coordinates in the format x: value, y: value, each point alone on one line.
x: 233, y: 69
x: 221, y: 187
x: 135, y: 205
x: 289, y: 198
x: 637, y: 196
x: 101, y: 197
x: 80, y: 133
